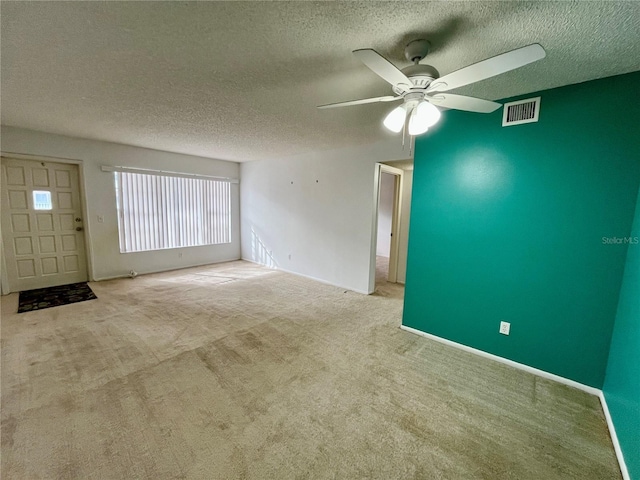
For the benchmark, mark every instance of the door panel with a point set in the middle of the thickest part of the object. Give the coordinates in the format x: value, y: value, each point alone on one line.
x: 42, y: 224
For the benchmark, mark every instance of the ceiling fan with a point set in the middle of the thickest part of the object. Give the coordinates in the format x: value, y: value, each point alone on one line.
x: 421, y: 87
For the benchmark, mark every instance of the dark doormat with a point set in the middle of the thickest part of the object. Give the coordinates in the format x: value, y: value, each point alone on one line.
x: 40, y: 298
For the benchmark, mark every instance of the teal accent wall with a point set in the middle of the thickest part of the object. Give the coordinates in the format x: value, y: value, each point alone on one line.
x: 508, y: 224
x: 622, y: 382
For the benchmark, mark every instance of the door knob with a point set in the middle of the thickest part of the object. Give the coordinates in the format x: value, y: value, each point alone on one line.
x: 79, y: 229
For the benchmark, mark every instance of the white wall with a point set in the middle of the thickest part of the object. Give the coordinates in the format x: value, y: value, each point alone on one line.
x: 407, y: 185
x: 314, y: 214
x: 105, y: 259
x: 385, y: 213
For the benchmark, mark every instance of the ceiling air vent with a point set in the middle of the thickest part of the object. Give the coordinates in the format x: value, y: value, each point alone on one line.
x: 522, y: 111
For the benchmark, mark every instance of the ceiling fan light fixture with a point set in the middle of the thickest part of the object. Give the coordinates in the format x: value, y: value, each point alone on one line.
x: 394, y: 121
x: 423, y: 116
x: 417, y: 125
x: 428, y: 113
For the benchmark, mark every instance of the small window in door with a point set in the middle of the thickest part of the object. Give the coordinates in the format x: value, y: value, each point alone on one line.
x: 42, y: 200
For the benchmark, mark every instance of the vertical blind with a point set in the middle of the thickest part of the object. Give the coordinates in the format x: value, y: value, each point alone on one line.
x: 157, y: 212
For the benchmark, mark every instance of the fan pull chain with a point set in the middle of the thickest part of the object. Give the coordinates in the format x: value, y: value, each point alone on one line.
x: 404, y: 129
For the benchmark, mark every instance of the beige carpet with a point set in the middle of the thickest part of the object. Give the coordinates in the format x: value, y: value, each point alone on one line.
x: 235, y: 371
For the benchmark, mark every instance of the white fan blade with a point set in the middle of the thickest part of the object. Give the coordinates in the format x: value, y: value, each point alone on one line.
x: 488, y: 68
x: 360, y: 102
x: 382, y: 67
x: 460, y: 102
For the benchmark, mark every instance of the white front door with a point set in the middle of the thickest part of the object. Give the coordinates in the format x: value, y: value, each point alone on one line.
x: 42, y: 227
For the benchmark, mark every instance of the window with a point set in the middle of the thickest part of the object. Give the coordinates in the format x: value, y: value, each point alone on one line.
x: 42, y: 200
x: 157, y: 212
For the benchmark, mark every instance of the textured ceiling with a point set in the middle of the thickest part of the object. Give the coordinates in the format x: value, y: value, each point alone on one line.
x: 240, y: 80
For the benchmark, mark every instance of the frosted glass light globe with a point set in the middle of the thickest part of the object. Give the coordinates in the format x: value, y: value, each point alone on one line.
x: 395, y: 120
x: 423, y: 116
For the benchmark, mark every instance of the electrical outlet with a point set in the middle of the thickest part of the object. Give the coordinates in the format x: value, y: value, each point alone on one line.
x: 505, y: 327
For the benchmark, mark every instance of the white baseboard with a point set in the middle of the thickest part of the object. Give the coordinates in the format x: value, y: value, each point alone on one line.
x: 521, y: 366
x: 308, y: 276
x: 541, y: 373
x: 614, y: 437
x: 163, y: 270
x: 113, y: 277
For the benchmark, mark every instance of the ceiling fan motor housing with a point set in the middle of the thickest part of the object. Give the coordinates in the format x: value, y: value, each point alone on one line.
x: 420, y: 75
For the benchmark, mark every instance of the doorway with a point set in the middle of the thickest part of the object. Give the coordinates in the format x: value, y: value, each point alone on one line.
x: 42, y: 224
x: 388, y: 212
x: 385, y: 220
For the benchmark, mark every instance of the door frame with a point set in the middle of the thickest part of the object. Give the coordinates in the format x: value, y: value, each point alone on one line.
x: 395, y: 224
x: 4, y: 279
